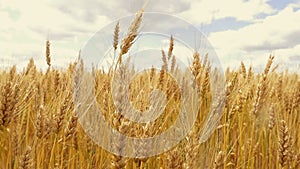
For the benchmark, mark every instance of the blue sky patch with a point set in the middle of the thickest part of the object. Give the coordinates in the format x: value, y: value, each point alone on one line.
x: 280, y: 4
x: 224, y: 24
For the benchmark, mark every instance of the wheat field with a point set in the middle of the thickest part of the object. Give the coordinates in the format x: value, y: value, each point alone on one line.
x: 259, y: 127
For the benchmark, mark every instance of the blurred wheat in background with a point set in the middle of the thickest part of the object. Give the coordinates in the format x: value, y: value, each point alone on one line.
x: 259, y: 127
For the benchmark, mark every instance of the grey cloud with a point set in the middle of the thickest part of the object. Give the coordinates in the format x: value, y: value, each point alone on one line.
x: 295, y: 58
x: 288, y: 41
x: 53, y: 35
x: 74, y: 29
x: 266, y: 45
x: 168, y: 6
x: 61, y: 36
x: 293, y: 38
x: 88, y: 10
x: 81, y: 11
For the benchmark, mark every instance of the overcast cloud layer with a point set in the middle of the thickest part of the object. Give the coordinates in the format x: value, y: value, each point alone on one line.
x: 239, y: 30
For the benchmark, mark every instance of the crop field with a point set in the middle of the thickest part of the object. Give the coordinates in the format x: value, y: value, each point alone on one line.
x: 259, y: 126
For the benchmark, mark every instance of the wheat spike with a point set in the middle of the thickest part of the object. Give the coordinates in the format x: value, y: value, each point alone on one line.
x: 26, y: 160
x: 131, y: 35
x: 284, y: 144
x: 171, y: 47
x: 116, y: 36
x: 48, y: 57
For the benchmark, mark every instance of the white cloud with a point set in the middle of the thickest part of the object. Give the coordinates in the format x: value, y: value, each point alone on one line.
x: 206, y: 11
x: 275, y: 34
x: 25, y: 26
x: 24, y: 37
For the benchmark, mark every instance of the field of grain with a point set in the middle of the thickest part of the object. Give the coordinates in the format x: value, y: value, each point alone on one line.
x: 259, y: 127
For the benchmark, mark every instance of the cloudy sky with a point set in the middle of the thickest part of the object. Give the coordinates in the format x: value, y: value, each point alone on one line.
x: 239, y: 30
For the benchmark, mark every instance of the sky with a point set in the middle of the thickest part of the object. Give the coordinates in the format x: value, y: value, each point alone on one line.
x: 239, y: 30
